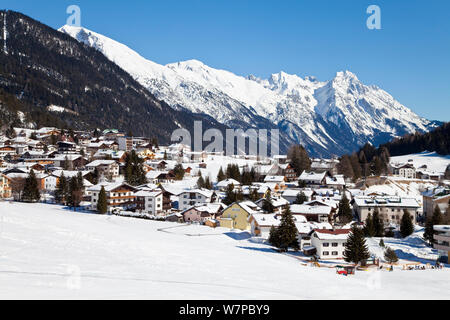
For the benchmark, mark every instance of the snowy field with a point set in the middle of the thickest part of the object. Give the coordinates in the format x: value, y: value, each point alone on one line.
x: 434, y: 161
x: 47, y: 252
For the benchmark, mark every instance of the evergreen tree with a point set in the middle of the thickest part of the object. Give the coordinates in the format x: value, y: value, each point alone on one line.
x: 200, y: 182
x: 287, y: 231
x: 300, y: 160
x: 102, y: 205
x: 274, y: 238
x: 406, y: 224
x: 230, y: 195
x: 75, y: 194
x: 382, y: 243
x: 356, y: 249
x: 208, y: 183
x: 31, y: 191
x: 369, y: 228
x: 301, y: 198
x: 390, y: 256
x: 221, y: 176
x: 377, y: 223
x: 165, y: 155
x: 179, y: 172
x: 267, y: 203
x: 432, y: 221
x: 345, y: 212
x: 254, y: 196
x: 61, y: 191
x: 345, y: 167
x: 447, y: 173
x: 134, y: 170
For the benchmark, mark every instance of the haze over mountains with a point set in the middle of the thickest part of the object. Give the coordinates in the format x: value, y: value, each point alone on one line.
x: 329, y: 118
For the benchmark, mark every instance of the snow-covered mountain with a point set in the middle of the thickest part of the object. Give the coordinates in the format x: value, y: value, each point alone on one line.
x: 329, y: 118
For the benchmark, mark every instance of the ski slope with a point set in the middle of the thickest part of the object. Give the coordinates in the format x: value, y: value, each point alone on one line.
x: 47, y: 252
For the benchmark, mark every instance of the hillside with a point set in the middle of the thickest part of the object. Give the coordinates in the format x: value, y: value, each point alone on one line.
x: 49, y: 79
x: 48, y: 252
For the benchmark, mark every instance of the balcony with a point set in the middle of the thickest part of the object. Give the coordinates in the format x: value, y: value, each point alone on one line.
x: 441, y: 247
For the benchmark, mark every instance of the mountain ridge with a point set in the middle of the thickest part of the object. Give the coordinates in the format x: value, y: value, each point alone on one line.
x: 47, y: 78
x: 329, y: 117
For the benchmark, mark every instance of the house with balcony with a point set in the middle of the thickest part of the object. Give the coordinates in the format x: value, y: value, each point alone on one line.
x: 442, y: 242
x: 118, y: 195
x: 106, y: 168
x: 190, y: 198
x: 436, y: 197
x: 150, y: 202
x: 5, y: 186
x: 391, y: 208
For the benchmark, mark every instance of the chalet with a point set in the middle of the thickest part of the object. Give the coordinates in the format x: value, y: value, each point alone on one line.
x: 312, y: 179
x: 288, y: 171
x: 69, y: 161
x: 7, y: 150
x: 5, y: 186
x: 280, y: 180
x: 118, y: 195
x: 324, y: 165
x: 407, y: 171
x: 330, y: 244
x: 202, y: 212
x: 66, y: 147
x: 442, y: 242
x: 108, y: 154
x: 107, y: 168
x: 439, y: 197
x: 337, y: 182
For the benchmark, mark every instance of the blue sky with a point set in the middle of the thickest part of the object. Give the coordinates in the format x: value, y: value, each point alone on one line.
x: 409, y: 57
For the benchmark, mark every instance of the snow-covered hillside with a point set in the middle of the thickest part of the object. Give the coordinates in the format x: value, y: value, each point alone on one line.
x: 331, y: 117
x: 433, y: 161
x: 49, y: 252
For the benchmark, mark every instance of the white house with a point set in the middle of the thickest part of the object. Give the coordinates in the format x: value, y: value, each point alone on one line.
x: 108, y: 168
x: 223, y: 185
x: 330, y: 244
x: 190, y: 198
x: 150, y: 202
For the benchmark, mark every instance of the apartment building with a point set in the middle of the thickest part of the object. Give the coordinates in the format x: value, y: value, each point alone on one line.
x: 442, y: 242
x: 118, y: 195
x: 391, y: 208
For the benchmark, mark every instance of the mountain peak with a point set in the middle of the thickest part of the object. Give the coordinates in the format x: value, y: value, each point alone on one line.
x: 346, y: 75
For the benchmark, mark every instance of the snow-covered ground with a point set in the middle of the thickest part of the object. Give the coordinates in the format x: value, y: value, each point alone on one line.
x: 49, y: 252
x: 433, y: 161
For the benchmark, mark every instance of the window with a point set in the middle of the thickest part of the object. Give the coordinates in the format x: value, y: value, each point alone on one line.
x: 334, y: 244
x: 326, y: 253
x: 326, y: 244
x: 334, y: 253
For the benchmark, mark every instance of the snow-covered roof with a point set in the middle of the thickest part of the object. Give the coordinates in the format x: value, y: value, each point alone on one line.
x: 388, y: 201
x: 97, y: 163
x: 225, y: 183
x: 148, y: 194
x: 312, y: 176
x: 338, y: 234
x: 274, y: 179
x: 306, y: 209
